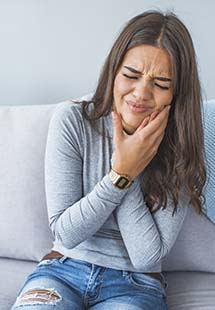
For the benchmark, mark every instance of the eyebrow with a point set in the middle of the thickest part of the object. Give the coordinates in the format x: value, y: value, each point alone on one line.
x: 160, y: 78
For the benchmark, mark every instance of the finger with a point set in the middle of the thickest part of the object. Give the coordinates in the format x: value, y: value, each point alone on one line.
x: 144, y: 123
x: 155, y: 145
x: 147, y: 120
x: 153, y: 115
x: 160, y: 139
x: 157, y: 137
x: 117, y: 127
x: 160, y: 132
x: 157, y: 122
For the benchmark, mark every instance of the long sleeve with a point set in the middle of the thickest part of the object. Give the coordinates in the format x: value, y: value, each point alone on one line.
x: 148, y: 237
x: 72, y: 217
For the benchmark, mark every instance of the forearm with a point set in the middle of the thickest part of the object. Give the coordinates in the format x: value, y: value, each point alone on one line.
x: 85, y: 217
x: 147, y: 237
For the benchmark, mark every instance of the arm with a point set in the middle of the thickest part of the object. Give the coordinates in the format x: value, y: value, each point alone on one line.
x: 72, y: 217
x: 148, y: 237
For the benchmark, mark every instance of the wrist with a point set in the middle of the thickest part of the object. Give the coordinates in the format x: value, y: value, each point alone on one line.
x: 121, y: 170
x: 120, y: 180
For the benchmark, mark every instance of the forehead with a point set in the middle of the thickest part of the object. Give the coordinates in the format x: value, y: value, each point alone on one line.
x: 149, y: 60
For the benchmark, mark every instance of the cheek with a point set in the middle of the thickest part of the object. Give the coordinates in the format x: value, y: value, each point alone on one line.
x: 169, y: 99
x: 164, y: 99
x: 121, y: 87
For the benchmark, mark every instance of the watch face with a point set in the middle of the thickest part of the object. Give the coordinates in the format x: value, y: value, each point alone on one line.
x: 122, y: 182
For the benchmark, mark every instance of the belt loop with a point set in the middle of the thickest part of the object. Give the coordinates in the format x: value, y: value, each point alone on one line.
x: 62, y: 259
x: 125, y: 273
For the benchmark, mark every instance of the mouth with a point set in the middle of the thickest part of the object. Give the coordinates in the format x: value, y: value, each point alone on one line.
x: 138, y: 108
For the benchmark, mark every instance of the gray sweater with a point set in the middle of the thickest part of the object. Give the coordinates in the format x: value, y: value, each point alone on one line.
x: 90, y: 218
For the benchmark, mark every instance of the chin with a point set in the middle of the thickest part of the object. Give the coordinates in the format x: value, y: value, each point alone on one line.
x: 129, y: 128
x: 131, y: 123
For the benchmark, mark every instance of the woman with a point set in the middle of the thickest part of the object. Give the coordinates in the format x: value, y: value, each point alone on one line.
x: 120, y: 172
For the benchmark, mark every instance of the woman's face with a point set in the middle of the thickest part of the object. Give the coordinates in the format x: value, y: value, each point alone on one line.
x: 143, y: 84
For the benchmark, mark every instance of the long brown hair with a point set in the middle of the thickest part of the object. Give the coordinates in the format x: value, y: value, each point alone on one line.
x: 179, y: 163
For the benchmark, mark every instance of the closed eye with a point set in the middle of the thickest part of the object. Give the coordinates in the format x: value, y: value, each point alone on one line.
x: 162, y: 87
x: 130, y: 77
x: 135, y: 78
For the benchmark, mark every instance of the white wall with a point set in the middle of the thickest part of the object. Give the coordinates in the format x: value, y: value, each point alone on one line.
x: 52, y: 50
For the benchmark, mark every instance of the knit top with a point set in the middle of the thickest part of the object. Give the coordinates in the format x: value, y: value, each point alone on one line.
x: 90, y: 218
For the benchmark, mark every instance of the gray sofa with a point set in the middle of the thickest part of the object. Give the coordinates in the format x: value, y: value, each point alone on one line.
x: 24, y: 232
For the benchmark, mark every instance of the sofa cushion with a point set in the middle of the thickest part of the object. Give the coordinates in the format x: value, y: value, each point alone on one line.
x: 194, y: 249
x: 190, y: 291
x: 209, y: 125
x: 24, y: 229
x: 12, y: 274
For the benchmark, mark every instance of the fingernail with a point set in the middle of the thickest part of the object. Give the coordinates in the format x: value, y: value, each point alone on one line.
x: 146, y: 121
x: 153, y: 116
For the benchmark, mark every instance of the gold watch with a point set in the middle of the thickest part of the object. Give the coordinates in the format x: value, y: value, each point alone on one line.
x: 121, y: 181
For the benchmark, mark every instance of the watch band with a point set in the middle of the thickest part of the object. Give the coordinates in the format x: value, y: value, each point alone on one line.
x: 121, y: 181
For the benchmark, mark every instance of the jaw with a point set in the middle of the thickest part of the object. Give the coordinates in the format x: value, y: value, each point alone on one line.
x: 130, y: 120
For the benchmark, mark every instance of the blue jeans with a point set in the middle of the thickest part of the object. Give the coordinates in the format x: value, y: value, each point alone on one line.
x: 71, y: 284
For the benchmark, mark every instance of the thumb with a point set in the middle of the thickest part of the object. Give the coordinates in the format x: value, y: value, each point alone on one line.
x: 117, y: 127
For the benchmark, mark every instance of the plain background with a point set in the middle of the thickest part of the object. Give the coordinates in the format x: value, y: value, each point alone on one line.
x: 53, y: 50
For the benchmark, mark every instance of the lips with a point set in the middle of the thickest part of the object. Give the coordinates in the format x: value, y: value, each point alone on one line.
x: 138, y: 108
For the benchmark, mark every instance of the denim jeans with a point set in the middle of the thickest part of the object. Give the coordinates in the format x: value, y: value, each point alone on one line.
x: 71, y: 284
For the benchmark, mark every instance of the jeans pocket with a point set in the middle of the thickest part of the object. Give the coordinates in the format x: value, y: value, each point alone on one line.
x: 146, y: 282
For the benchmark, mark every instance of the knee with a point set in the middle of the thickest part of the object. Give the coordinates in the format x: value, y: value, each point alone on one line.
x: 38, y: 296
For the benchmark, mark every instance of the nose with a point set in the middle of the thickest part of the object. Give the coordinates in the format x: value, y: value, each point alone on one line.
x: 142, y: 91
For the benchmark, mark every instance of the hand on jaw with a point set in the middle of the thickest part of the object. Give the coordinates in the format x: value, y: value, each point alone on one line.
x: 132, y: 153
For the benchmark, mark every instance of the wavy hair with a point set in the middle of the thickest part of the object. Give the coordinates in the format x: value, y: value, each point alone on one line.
x: 179, y: 165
